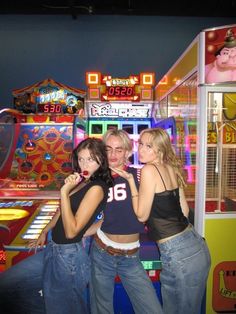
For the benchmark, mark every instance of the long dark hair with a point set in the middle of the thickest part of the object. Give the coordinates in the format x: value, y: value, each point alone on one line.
x: 97, y: 151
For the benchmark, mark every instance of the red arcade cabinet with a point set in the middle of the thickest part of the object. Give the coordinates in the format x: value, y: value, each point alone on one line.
x: 36, y: 141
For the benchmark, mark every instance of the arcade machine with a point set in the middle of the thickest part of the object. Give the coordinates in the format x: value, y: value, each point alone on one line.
x: 124, y: 103
x: 198, y: 95
x: 36, y: 140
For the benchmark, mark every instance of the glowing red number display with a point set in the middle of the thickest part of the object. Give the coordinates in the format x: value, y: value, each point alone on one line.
x: 49, y: 108
x: 120, y: 91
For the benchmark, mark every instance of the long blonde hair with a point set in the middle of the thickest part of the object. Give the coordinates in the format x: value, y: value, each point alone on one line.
x: 161, y: 143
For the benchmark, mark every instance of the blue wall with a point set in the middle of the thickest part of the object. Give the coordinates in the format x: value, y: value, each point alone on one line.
x: 33, y: 48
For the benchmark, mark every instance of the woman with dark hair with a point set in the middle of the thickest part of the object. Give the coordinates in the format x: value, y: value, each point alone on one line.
x: 65, y: 264
x: 83, y: 196
x: 98, y: 152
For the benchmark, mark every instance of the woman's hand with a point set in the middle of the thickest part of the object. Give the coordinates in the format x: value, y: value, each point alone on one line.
x: 124, y: 174
x: 39, y: 243
x: 70, y: 182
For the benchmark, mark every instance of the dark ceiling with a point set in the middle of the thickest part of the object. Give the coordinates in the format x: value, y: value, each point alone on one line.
x: 207, y: 8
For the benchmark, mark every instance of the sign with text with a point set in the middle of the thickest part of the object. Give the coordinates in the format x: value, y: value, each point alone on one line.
x: 119, y: 110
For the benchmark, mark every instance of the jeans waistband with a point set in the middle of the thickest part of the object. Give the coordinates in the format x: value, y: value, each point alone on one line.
x: 67, y: 246
x: 113, y: 251
x: 176, y: 240
x: 117, y: 245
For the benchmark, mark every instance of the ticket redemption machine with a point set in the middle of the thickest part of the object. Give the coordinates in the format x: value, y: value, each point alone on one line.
x: 199, y: 94
x: 36, y: 140
x: 122, y: 103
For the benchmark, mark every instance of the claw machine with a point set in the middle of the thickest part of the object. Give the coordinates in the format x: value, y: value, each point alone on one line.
x: 196, y: 100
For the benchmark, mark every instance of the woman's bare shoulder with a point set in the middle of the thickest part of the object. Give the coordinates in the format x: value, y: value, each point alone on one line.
x: 149, y: 169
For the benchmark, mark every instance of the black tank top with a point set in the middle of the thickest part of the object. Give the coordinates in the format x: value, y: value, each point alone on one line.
x: 166, y: 218
x: 58, y: 233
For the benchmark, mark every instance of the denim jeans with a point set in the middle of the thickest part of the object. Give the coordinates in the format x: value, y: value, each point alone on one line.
x: 21, y: 287
x: 134, y: 278
x: 185, y: 266
x: 66, y: 275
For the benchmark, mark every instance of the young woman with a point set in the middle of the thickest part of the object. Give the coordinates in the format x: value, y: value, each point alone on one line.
x: 84, y: 194
x: 161, y: 203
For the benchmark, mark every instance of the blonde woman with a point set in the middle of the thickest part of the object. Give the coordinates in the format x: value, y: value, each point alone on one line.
x: 161, y: 203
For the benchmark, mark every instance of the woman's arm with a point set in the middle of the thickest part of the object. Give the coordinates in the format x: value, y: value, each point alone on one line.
x: 146, y: 193
x: 43, y: 235
x: 74, y: 224
x: 142, y: 200
x: 183, y: 202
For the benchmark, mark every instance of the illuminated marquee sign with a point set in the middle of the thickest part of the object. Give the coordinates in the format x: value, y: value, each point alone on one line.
x: 53, y: 96
x: 118, y: 110
x: 51, y: 100
x: 49, y: 97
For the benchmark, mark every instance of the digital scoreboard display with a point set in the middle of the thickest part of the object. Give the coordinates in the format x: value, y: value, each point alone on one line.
x: 135, y: 88
x: 120, y: 91
x: 49, y: 108
x: 120, y: 88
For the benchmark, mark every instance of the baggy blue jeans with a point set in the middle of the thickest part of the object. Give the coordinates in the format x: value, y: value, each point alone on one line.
x: 21, y: 287
x: 105, y: 267
x: 66, y: 275
x: 185, y: 266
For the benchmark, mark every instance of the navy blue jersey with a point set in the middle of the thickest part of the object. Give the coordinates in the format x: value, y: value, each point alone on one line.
x: 119, y: 216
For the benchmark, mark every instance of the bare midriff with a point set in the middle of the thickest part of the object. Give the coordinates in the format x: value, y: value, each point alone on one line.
x: 123, y: 238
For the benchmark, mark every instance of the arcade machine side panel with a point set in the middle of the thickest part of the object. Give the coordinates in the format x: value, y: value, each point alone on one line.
x: 23, y: 220
x: 220, y: 197
x: 79, y: 130
x: 7, y: 148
